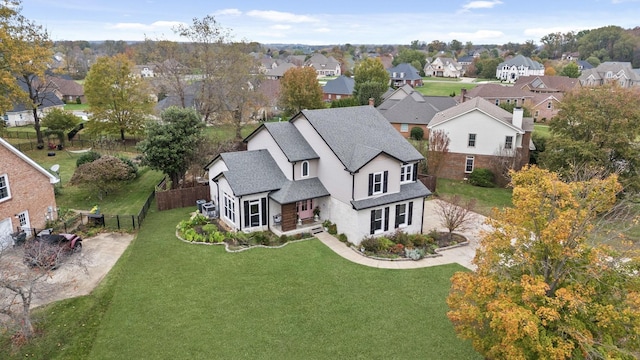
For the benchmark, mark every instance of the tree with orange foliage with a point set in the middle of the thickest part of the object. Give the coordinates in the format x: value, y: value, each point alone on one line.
x: 541, y: 289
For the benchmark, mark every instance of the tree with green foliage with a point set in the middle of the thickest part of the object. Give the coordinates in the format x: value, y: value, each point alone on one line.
x: 571, y: 70
x: 103, y: 175
x: 597, y: 127
x: 119, y: 103
x: 608, y: 43
x: 170, y: 145
x: 541, y: 290
x: 300, y: 90
x: 416, y: 58
x: 486, y: 67
x: 60, y: 120
x: 371, y: 81
x: 25, y: 52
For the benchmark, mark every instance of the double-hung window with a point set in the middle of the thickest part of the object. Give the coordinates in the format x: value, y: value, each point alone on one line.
x: 5, y: 192
x: 378, y: 183
x: 379, y: 220
x: 229, y: 207
x: 406, y: 173
x: 508, y: 142
x: 468, y: 165
x: 404, y: 214
x: 472, y: 140
x: 404, y: 127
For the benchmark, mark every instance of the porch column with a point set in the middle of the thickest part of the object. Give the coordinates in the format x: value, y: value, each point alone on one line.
x: 289, y: 217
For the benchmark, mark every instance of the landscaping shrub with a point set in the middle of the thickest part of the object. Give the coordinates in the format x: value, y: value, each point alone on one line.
x: 88, y: 157
x: 481, y: 177
x: 342, y: 237
x: 417, y: 133
x: 133, y: 168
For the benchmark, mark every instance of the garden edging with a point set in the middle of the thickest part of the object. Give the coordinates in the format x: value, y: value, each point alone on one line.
x: 226, y: 246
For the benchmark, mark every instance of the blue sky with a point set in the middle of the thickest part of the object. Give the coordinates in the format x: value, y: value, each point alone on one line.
x: 333, y: 22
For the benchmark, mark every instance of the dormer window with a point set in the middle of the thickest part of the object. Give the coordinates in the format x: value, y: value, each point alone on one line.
x: 406, y: 173
x: 378, y: 183
x: 304, y: 169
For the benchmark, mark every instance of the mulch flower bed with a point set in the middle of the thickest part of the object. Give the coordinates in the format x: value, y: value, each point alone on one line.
x: 410, y: 246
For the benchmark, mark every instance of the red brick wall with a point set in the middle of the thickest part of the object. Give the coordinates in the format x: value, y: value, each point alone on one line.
x: 30, y: 190
x: 411, y: 126
x: 454, y: 164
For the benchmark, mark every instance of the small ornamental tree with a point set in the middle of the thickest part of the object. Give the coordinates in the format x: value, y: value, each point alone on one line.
x: 455, y: 213
x: 104, y: 175
x: 541, y: 289
x: 417, y: 133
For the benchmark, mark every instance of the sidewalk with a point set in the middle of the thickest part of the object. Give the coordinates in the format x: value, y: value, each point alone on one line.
x: 462, y: 255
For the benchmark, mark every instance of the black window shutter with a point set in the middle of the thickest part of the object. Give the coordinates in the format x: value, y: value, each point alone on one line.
x: 415, y: 172
x: 246, y: 214
x: 264, y: 211
x: 384, y: 182
x: 386, y: 218
x: 397, y: 223
x: 410, y: 213
x: 370, y: 184
x: 373, y: 222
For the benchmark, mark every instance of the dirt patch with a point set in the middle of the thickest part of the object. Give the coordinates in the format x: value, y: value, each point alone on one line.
x: 84, y: 271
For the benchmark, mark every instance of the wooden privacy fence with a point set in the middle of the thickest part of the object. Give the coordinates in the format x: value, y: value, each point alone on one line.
x: 178, y: 198
x: 429, y: 181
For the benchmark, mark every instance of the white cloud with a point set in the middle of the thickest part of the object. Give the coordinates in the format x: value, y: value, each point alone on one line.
x: 167, y: 24
x: 481, y: 5
x: 278, y: 16
x: 130, y: 26
x: 233, y: 12
x: 486, y: 35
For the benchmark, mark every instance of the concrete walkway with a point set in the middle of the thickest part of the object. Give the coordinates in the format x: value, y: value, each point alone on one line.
x: 462, y: 255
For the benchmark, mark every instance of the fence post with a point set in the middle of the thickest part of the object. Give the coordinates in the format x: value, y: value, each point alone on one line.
x: 133, y: 221
x: 118, y: 221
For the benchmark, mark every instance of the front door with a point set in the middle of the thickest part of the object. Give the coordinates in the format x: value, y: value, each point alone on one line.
x: 25, y: 224
x: 305, y: 209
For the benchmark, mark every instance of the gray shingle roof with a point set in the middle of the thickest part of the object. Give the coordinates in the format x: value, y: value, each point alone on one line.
x: 342, y: 85
x: 252, y: 172
x: 408, y: 191
x: 410, y: 73
x: 293, y: 191
x: 414, y: 108
x: 520, y: 60
x: 291, y: 142
x: 476, y: 103
x: 358, y: 134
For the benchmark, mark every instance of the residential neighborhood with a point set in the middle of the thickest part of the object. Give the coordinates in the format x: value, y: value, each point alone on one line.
x: 201, y: 194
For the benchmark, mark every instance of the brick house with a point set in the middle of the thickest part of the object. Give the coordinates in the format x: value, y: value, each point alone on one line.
x: 480, y: 133
x: 27, y: 198
x: 338, y: 88
x: 360, y: 174
x: 404, y: 74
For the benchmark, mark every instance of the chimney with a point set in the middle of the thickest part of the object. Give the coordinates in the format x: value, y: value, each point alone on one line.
x: 463, y: 94
x: 371, y: 102
x: 518, y: 113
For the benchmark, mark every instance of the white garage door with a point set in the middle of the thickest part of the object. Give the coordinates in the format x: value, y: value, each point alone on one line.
x: 5, y: 233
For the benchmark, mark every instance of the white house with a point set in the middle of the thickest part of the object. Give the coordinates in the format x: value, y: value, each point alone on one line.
x: 479, y: 132
x: 443, y: 67
x: 349, y: 163
x: 518, y: 66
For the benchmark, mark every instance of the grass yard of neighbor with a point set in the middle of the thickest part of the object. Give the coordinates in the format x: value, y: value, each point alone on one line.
x: 542, y: 129
x: 486, y: 198
x: 170, y: 300
x: 443, y: 88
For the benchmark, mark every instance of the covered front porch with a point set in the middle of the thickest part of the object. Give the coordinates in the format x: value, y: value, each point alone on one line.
x: 298, y: 207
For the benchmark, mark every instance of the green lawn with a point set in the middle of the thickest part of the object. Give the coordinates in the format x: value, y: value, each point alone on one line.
x: 486, y: 198
x: 170, y: 300
x: 71, y: 107
x: 542, y: 129
x: 442, y: 88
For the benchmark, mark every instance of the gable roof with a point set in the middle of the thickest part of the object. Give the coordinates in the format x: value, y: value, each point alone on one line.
x: 616, y: 67
x: 410, y: 73
x: 342, y: 85
x: 66, y: 87
x: 413, y: 108
x: 279, y: 70
x: 46, y: 98
x: 476, y: 103
x: 520, y: 60
x: 496, y: 91
x: 298, y: 190
x: 28, y: 160
x: 546, y: 83
x: 289, y: 140
x: 358, y: 134
x: 244, y: 167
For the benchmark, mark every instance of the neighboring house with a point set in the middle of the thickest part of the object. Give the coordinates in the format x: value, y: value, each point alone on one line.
x: 444, y: 67
x: 324, y: 66
x: 548, y: 93
x: 497, y: 94
x: 481, y: 133
x: 519, y: 65
x: 404, y: 74
x: 338, y: 88
x: 571, y: 56
x: 66, y: 90
x: 610, y: 71
x: 407, y: 108
x: 27, y: 200
x: 348, y: 162
x: 583, y: 65
x: 144, y: 71
x: 278, y: 72
x: 21, y: 114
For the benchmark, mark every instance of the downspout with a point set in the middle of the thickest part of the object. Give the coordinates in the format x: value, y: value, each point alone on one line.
x: 422, y: 218
x: 353, y: 187
x: 241, y: 209
x: 293, y: 170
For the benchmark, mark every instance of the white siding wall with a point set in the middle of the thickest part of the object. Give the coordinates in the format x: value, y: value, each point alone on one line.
x: 490, y: 133
x: 223, y: 186
x: 263, y: 140
x: 346, y: 219
x: 379, y: 164
x: 330, y: 170
x: 313, y: 169
x: 215, y: 169
x: 362, y: 230
x: 241, y: 211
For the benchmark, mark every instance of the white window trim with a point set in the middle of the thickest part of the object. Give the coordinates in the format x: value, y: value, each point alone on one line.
x: 406, y: 174
x: 508, y: 144
x: 6, y: 182
x: 259, y: 213
x: 404, y: 127
x: 475, y: 139
x: 406, y: 216
x: 229, y: 207
x: 381, y: 183
x: 466, y: 162
x: 381, y: 229
x: 302, y: 166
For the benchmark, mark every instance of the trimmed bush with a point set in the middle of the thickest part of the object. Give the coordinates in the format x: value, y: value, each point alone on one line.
x: 133, y: 168
x: 88, y: 157
x: 417, y: 133
x: 482, y: 178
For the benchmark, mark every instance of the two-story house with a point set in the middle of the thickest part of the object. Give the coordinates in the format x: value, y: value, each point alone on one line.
x: 349, y: 163
x: 404, y: 74
x: 324, y: 66
x: 338, y: 88
x: 481, y: 133
x: 517, y: 66
x: 443, y: 67
x: 609, y: 71
x: 27, y: 199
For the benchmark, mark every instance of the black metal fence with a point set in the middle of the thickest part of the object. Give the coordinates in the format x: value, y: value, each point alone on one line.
x: 79, y: 141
